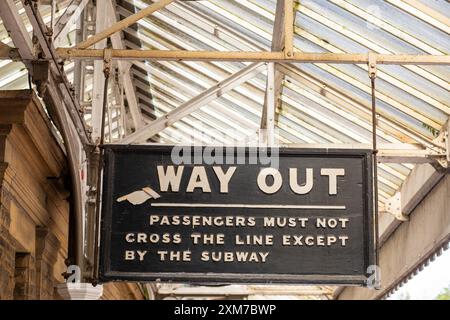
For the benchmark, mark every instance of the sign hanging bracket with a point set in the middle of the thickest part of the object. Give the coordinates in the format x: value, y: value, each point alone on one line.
x: 107, y: 66
x: 372, y: 69
x: 107, y: 62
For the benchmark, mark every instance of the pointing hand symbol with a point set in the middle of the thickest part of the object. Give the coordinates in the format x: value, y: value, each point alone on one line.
x: 140, y: 196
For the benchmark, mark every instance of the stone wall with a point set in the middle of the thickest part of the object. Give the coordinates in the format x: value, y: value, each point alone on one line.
x: 34, y: 207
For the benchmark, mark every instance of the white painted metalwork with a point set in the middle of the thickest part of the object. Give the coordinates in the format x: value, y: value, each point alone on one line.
x: 315, y: 104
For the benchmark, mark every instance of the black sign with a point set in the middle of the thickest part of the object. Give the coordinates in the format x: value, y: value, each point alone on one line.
x: 237, y: 215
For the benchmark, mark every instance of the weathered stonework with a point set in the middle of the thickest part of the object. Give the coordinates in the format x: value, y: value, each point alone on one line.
x: 47, y: 247
x: 24, y: 277
x: 7, y: 252
x: 34, y: 207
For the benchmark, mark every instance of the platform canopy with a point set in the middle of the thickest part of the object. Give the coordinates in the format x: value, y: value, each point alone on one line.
x: 244, y: 73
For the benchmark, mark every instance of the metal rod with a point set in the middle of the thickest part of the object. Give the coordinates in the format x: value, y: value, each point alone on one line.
x: 374, y: 116
x: 30, y: 82
x: 110, y: 120
x: 99, y: 178
x: 375, y: 164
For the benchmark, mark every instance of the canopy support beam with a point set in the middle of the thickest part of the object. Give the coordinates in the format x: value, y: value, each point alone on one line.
x: 255, y: 56
x: 282, y: 40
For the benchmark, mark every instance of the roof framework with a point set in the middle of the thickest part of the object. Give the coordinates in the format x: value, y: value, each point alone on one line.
x: 295, y: 71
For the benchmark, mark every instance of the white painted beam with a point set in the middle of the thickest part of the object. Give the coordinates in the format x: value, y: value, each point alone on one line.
x: 278, y: 44
x: 67, y: 19
x: 278, y: 33
x: 270, y: 107
x: 288, y: 28
x: 124, y: 69
x: 387, y: 152
x: 101, y: 20
x: 16, y: 28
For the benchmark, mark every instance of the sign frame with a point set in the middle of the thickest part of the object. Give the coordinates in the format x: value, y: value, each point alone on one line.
x: 105, y: 274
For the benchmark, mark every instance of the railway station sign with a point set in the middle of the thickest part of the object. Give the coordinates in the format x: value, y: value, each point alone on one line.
x: 237, y: 215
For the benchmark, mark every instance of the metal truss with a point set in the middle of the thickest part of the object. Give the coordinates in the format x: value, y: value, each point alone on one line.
x: 97, y: 28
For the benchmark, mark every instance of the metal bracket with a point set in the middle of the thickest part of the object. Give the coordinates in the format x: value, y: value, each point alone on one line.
x: 372, y: 63
x: 7, y: 52
x: 394, y: 206
x: 40, y: 75
x: 442, y: 164
x: 107, y: 61
x: 442, y: 158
